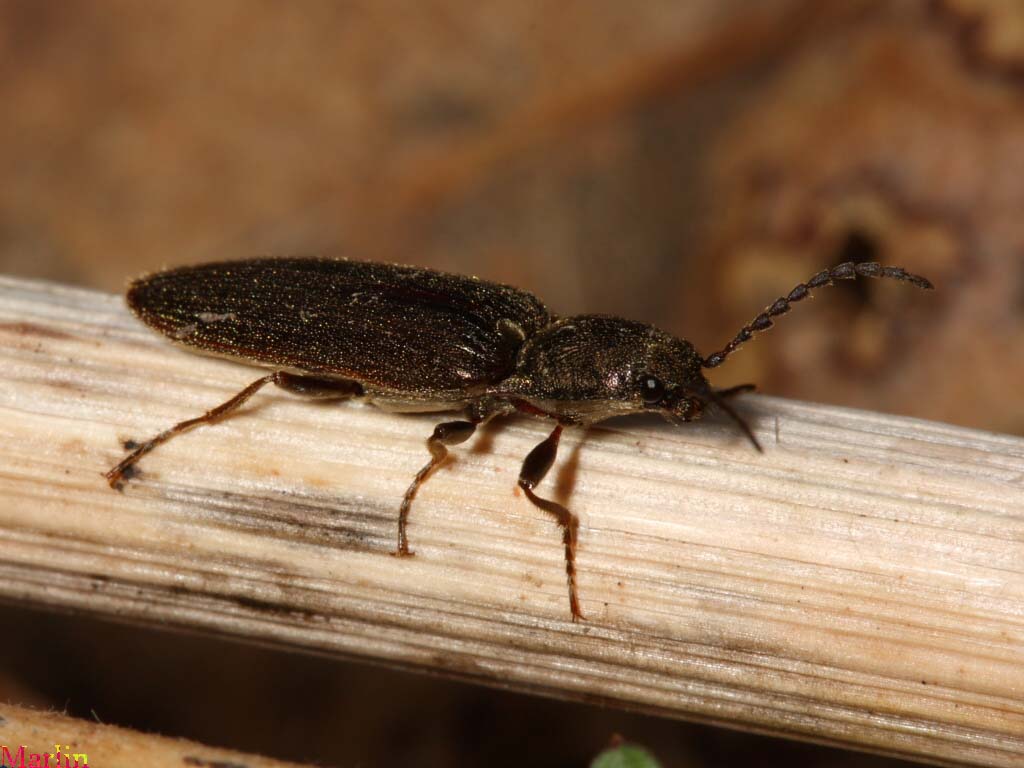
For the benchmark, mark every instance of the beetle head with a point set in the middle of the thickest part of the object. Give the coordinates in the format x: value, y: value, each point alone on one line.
x: 589, y: 368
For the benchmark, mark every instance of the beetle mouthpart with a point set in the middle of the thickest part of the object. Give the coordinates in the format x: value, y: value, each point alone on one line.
x: 684, y: 405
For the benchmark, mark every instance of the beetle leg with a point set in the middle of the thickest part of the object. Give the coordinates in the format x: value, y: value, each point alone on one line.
x: 718, y: 398
x: 739, y: 389
x: 309, y: 386
x: 316, y: 387
x: 448, y: 433
x: 535, y: 467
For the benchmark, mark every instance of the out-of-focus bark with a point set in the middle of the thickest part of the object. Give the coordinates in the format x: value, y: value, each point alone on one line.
x: 891, y: 140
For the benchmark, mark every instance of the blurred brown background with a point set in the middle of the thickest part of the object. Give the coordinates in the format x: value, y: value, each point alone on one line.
x: 681, y: 163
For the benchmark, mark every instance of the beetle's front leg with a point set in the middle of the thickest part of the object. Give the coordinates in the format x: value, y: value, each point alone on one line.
x: 535, y: 467
x: 739, y: 389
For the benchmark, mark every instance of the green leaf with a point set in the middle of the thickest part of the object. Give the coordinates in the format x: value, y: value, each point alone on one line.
x: 626, y: 756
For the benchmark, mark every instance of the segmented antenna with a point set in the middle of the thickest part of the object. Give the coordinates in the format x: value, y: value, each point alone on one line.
x: 846, y: 271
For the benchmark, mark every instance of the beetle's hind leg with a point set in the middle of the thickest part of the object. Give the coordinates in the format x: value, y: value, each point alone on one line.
x: 448, y: 433
x: 535, y: 467
x: 308, y: 386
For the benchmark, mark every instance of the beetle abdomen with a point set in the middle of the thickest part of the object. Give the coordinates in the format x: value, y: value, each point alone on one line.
x: 400, y: 328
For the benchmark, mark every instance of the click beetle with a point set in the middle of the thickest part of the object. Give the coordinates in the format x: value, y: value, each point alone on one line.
x: 416, y: 340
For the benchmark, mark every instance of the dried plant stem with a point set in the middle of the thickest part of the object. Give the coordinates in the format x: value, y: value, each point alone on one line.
x: 860, y: 583
x: 93, y: 744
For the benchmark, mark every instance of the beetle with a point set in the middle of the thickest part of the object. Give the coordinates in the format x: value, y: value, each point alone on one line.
x: 409, y: 339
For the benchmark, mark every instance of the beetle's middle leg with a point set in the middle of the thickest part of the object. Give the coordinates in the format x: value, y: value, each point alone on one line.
x: 308, y: 386
x: 448, y: 433
x: 535, y: 467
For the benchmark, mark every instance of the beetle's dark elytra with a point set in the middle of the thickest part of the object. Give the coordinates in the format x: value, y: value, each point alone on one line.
x: 418, y: 340
x: 409, y: 330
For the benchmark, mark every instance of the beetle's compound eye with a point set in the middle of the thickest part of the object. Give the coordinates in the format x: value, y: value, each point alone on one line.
x: 651, y: 389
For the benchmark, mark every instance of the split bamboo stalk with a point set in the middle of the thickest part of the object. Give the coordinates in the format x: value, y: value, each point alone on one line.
x: 861, y: 583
